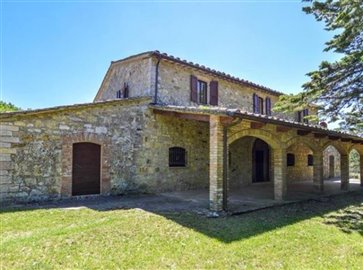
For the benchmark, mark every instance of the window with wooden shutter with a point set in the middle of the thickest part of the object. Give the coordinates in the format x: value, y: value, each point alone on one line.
x: 126, y: 90
x: 202, y: 92
x: 119, y: 94
x: 213, y: 92
x: 255, y: 103
x: 193, y: 88
x: 268, y: 106
x: 260, y: 105
x: 305, y: 113
x: 299, y: 116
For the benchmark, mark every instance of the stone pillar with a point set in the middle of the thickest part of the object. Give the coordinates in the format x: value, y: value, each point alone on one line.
x: 344, y: 172
x: 361, y: 170
x: 318, y: 172
x: 280, y: 181
x: 216, y: 148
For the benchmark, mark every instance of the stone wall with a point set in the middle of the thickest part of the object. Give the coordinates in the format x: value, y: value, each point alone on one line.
x: 300, y: 171
x: 240, y: 163
x: 331, y: 151
x: 163, y: 132
x: 174, y: 88
x: 137, y: 73
x: 33, y: 153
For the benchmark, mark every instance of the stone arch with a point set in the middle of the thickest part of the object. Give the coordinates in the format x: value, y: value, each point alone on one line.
x: 266, y: 136
x: 308, y: 143
x: 357, y: 148
x: 67, y: 150
x: 342, y: 151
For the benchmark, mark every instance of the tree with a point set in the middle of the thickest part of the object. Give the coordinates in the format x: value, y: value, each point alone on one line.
x: 7, y: 107
x: 337, y: 87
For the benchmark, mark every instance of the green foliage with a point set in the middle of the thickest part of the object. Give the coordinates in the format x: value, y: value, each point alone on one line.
x: 336, y: 87
x: 8, y: 107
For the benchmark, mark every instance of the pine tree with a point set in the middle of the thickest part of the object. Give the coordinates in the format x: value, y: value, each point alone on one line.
x: 336, y: 87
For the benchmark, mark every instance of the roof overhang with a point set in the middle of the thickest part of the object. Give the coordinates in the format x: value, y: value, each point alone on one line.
x: 202, y: 114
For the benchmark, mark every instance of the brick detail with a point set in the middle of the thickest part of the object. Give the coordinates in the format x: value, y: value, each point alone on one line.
x: 344, y: 167
x: 280, y: 172
x: 216, y: 164
x: 318, y: 172
x: 67, y: 155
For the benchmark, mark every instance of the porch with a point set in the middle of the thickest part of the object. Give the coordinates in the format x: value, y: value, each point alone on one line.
x: 261, y: 195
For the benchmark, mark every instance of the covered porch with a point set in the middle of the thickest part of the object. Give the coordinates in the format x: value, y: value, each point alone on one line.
x: 257, y: 161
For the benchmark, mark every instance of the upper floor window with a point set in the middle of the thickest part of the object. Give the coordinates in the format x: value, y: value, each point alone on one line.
x: 301, y: 116
x: 202, y: 92
x: 124, y: 92
x: 177, y: 157
x: 258, y: 105
x: 199, y: 91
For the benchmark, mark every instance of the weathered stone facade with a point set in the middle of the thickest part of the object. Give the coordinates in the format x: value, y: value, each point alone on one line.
x: 136, y: 134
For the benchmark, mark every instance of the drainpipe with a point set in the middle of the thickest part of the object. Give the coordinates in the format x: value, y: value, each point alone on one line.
x: 156, y: 80
x: 236, y: 121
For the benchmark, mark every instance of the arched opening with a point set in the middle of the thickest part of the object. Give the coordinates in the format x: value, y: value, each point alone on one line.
x: 354, y: 167
x: 250, y: 170
x: 86, y: 169
x: 299, y: 170
x: 331, y: 162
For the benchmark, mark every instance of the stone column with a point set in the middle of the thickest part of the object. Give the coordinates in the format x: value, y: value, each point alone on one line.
x: 361, y: 169
x: 216, y: 148
x: 344, y: 172
x: 280, y: 184
x: 318, y: 172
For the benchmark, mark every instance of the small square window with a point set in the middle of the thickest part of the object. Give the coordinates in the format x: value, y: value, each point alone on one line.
x: 310, y: 160
x: 177, y: 157
x: 290, y: 160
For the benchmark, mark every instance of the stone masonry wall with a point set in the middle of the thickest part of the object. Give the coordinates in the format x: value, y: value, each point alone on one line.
x: 136, y: 73
x: 163, y: 132
x: 31, y: 147
x: 174, y: 88
x: 300, y: 171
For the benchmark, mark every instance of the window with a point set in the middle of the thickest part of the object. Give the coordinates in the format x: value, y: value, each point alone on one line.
x: 290, y: 160
x: 177, y: 157
x: 202, y: 92
x: 310, y: 160
x: 301, y: 115
x: 268, y: 106
x: 258, y: 105
x: 119, y: 94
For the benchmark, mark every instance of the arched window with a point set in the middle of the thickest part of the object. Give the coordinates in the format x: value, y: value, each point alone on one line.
x: 310, y: 160
x: 290, y: 159
x: 177, y: 157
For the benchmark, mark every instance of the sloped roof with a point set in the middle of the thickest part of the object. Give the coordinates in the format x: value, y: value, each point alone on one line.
x: 203, y: 68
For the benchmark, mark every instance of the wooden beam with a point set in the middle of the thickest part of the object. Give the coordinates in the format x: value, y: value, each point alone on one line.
x: 282, y: 129
x: 303, y: 132
x: 333, y: 138
x: 355, y: 141
x: 257, y: 125
x: 319, y: 135
x: 189, y: 116
x: 226, y: 120
x: 345, y: 140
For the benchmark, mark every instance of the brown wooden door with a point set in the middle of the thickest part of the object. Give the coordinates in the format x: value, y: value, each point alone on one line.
x: 86, y: 169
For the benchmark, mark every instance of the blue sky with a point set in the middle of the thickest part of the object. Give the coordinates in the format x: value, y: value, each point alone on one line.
x: 57, y: 52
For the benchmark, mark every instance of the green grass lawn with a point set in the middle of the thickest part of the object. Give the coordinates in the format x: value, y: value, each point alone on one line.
x: 310, y: 235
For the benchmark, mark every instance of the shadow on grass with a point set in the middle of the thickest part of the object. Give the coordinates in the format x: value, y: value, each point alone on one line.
x: 347, y: 214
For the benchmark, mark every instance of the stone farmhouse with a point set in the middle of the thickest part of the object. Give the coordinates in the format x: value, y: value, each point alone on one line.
x: 159, y: 123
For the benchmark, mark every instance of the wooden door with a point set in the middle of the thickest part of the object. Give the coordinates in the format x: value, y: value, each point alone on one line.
x: 86, y: 169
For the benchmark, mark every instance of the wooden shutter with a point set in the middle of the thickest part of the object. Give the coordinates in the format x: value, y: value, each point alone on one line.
x: 299, y: 116
x: 213, y: 92
x: 193, y: 88
x: 255, y: 103
x: 268, y: 106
